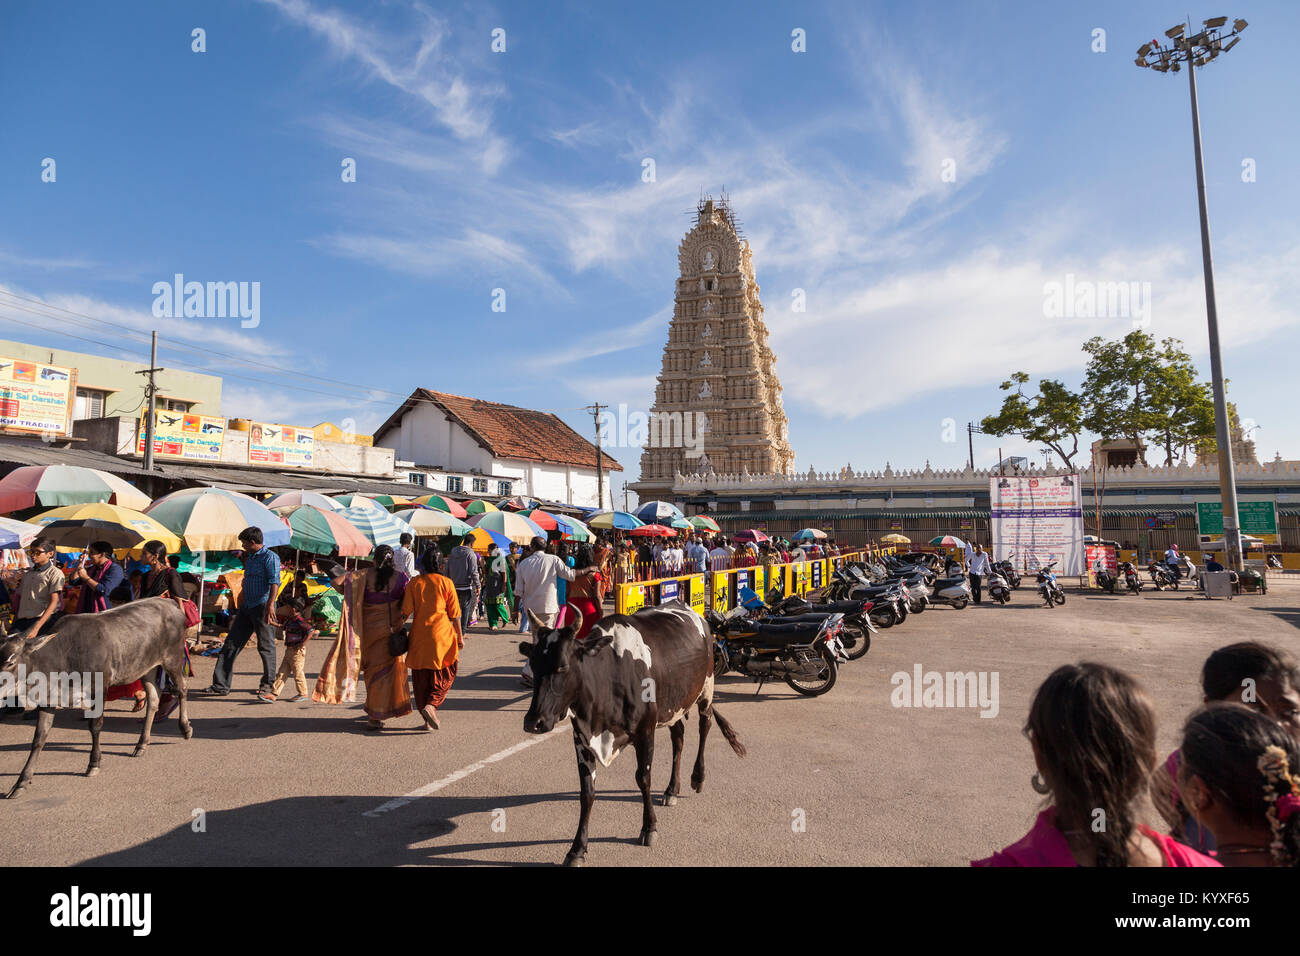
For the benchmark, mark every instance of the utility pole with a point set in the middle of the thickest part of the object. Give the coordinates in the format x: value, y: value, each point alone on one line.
x: 600, y: 473
x: 150, y: 390
x: 971, y: 429
x: 625, y: 507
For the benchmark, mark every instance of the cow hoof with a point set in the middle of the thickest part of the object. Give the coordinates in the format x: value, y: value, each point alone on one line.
x: 670, y: 799
x: 697, y: 783
x: 574, y: 860
x: 92, y: 772
x: 648, y: 837
x: 187, y: 731
x: 137, y: 752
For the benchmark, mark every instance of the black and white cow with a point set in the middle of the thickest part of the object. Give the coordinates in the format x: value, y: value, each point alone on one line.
x: 631, y: 674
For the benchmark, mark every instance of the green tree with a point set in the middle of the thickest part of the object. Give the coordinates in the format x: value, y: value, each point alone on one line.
x: 1145, y: 391
x: 1052, y: 417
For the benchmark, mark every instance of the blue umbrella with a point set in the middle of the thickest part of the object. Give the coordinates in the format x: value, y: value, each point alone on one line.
x: 658, y: 512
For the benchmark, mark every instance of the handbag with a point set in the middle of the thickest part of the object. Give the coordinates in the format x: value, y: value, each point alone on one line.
x: 399, y: 641
x: 191, y: 612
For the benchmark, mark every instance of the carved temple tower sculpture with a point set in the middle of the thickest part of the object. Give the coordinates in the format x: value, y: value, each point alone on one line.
x: 718, y: 371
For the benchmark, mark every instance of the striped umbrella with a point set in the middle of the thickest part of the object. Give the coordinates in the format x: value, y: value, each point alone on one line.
x: 291, y: 499
x: 948, y: 541
x: 616, y: 520
x: 569, y: 528
x: 704, y: 523
x: 17, y: 534
x: 658, y: 512
x: 210, y: 519
x: 364, y: 501
x: 518, y: 503
x: 320, y: 531
x: 430, y: 522
x: 478, y: 507
x: 55, y: 485
x: 810, y: 534
x: 482, y: 540
x: 442, y: 503
x: 376, y: 523
x: 76, y: 526
x: 509, y: 524
x: 389, y: 501
x: 680, y: 523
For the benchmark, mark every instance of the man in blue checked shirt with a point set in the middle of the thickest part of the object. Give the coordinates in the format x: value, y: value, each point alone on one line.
x: 256, y: 614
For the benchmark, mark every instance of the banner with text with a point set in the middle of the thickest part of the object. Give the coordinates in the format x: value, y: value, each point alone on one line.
x: 271, y: 444
x: 35, y: 397
x: 190, y: 437
x: 1036, y: 520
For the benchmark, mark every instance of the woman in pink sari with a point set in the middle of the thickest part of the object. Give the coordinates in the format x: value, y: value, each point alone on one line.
x: 1093, y: 733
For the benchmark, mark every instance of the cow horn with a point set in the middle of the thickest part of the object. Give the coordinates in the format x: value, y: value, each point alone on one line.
x: 576, y: 623
x: 537, y: 622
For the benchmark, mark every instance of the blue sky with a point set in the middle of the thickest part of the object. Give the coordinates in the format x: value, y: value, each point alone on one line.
x: 522, y: 170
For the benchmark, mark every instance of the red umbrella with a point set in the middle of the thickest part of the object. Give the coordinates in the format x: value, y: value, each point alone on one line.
x: 653, y: 531
x: 750, y: 534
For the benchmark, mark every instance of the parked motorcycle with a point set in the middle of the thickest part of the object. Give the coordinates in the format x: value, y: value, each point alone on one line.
x: 806, y: 654
x: 856, y: 635
x: 1131, y: 579
x: 1009, y: 572
x: 1162, y: 576
x: 999, y: 589
x: 1105, y: 580
x: 1048, y: 586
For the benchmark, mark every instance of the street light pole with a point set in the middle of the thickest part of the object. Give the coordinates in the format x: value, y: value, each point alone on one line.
x: 1196, y: 51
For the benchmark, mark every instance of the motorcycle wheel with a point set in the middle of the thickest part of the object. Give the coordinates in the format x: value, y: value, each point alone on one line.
x: 960, y: 604
x: 884, y: 619
x: 861, y: 643
x: 719, y: 662
x: 1059, y: 597
x: 901, y: 611
x: 919, y: 607
x: 824, y: 681
x: 1174, y: 584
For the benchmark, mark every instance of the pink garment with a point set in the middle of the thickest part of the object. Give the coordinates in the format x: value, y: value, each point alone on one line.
x: 1045, y: 845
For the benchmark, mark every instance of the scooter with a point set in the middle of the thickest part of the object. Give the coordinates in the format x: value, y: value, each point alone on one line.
x: 1131, y: 579
x: 1047, y: 586
x: 1104, y: 579
x: 998, y: 587
x: 1008, y: 571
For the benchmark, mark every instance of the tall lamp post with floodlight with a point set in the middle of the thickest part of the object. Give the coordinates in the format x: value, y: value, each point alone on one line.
x: 1197, y: 50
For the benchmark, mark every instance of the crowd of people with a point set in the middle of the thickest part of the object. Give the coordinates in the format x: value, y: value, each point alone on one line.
x: 1230, y: 794
x: 648, y: 558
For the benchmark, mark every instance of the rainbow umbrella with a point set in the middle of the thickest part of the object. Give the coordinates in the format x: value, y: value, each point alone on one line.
x: 482, y: 540
x: 320, y: 531
x: 810, y: 534
x: 509, y: 524
x: 613, y: 520
x: 389, y: 501
x: 442, y: 503
x: 478, y: 507
x: 569, y: 528
x: 658, y: 512
x: 77, y: 526
x: 376, y: 523
x: 750, y: 534
x: 431, y: 523
x: 17, y: 534
x: 55, y: 485
x: 210, y: 519
x: 291, y: 499
x: 363, y: 501
x: 704, y: 523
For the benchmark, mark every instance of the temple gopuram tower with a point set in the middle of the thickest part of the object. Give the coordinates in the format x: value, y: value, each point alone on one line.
x: 718, y: 371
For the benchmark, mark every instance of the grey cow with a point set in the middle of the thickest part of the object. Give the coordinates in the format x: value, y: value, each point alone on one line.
x: 125, y: 644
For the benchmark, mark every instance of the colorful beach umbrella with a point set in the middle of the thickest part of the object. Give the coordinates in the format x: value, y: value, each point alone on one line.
x: 56, y: 485
x: 509, y: 524
x: 214, y: 563
x: 76, y: 526
x: 810, y: 534
x: 478, y: 507
x: 947, y: 541
x: 389, y: 501
x: 431, y: 523
x: 210, y: 519
x: 750, y: 534
x: 518, y: 503
x: 569, y: 528
x: 653, y: 531
x: 658, y: 512
x: 17, y: 534
x: 363, y: 501
x: 704, y: 523
x: 680, y: 523
x: 320, y: 531
x: 443, y: 503
x: 376, y: 523
x: 615, y: 520
x: 291, y: 499
x: 896, y: 539
x: 482, y: 540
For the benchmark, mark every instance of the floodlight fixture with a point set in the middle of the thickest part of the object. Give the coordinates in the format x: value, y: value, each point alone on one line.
x: 1215, y: 21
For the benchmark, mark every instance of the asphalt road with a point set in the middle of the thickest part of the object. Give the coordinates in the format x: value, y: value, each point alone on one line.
x: 845, y: 779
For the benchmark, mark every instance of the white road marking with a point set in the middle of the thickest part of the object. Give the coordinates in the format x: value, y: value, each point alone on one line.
x: 398, y: 802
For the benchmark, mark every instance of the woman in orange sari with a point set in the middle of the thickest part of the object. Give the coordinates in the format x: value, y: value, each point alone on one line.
x: 372, y: 610
x: 436, y: 637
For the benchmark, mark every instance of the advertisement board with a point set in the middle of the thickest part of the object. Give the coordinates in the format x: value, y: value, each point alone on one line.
x: 35, y: 397
x: 1255, y: 518
x: 189, y: 437
x: 274, y: 444
x: 1037, y: 520
x: 1109, y: 560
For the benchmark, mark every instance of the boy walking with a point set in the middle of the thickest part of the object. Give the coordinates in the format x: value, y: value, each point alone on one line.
x: 297, y: 632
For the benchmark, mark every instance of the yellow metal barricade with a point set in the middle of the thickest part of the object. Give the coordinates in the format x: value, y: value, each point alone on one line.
x: 688, y: 588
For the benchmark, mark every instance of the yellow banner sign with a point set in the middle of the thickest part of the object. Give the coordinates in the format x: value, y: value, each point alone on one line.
x: 272, y: 444
x: 190, y: 437
x: 35, y: 397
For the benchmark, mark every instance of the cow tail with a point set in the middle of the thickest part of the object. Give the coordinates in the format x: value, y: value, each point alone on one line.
x: 729, y: 732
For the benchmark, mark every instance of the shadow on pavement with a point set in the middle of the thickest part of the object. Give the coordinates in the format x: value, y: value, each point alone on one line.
x: 1291, y: 615
x: 332, y: 831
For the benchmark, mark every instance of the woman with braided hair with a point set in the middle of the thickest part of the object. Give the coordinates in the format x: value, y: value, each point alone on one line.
x: 1240, y: 778
x: 1093, y: 733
